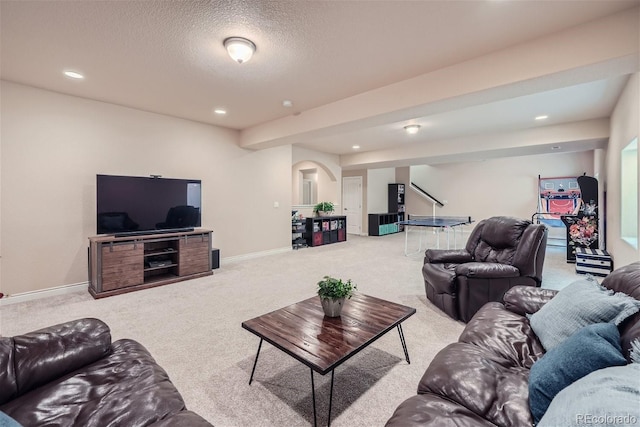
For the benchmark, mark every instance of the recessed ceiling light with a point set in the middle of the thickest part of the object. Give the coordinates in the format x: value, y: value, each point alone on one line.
x: 543, y: 117
x: 220, y: 111
x: 356, y: 147
x: 412, y: 129
x: 286, y: 103
x: 73, y: 75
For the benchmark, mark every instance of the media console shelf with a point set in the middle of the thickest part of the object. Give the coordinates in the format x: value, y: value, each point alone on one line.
x: 125, y: 264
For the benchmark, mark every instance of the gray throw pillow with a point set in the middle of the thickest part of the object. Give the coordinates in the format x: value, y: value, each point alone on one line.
x: 607, y: 397
x: 579, y: 304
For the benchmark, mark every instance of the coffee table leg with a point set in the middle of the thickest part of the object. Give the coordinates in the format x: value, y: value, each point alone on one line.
x: 330, y: 400
x: 255, y: 362
x: 313, y: 399
x: 404, y: 344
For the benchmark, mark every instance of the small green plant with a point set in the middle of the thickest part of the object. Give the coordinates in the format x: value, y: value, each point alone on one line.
x: 324, y: 207
x: 330, y: 287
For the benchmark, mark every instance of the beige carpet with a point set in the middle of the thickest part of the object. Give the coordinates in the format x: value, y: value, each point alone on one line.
x: 193, y: 330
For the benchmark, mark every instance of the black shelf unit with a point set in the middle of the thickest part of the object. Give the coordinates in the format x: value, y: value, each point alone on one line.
x: 298, y: 230
x: 325, y: 230
x: 383, y: 223
x: 396, y: 206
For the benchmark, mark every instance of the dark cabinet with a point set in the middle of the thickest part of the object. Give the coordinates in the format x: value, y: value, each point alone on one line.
x: 383, y: 223
x: 396, y: 195
x: 324, y: 230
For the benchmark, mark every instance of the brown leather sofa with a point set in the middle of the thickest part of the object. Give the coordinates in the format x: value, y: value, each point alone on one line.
x: 482, y: 380
x: 501, y: 252
x: 73, y: 375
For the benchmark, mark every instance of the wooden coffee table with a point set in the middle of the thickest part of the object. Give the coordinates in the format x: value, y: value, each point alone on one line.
x: 323, y: 343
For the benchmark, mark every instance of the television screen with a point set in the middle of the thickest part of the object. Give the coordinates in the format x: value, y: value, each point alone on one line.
x: 132, y: 204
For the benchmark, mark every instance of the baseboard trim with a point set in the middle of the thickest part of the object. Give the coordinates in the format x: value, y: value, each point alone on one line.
x: 67, y: 289
x: 44, y: 293
x: 254, y: 255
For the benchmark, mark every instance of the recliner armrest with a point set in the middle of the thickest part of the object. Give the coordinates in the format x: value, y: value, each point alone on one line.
x: 489, y: 270
x: 524, y: 300
x: 453, y: 256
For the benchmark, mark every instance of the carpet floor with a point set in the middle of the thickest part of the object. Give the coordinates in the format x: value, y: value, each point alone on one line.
x: 193, y: 330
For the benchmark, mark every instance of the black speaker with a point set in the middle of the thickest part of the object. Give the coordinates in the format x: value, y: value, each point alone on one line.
x: 215, y: 258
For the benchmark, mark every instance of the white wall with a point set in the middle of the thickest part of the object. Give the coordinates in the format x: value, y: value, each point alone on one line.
x: 625, y: 125
x: 53, y: 146
x: 378, y: 189
x: 489, y: 188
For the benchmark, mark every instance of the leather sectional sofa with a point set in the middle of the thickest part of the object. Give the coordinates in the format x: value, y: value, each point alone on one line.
x: 483, y: 379
x: 73, y: 375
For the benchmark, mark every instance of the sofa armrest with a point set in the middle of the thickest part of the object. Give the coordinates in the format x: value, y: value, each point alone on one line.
x: 524, y: 300
x: 453, y: 256
x: 8, y: 384
x: 489, y: 270
x: 50, y: 353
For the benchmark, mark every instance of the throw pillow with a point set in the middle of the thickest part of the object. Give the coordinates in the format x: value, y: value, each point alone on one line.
x: 591, y: 348
x: 581, y: 303
x: 634, y: 353
x: 608, y: 396
x: 7, y: 421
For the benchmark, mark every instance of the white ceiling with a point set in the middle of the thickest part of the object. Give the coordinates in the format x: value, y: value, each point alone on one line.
x: 167, y: 57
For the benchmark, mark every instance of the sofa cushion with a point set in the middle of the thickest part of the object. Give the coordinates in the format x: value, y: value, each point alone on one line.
x: 579, y: 304
x: 126, y: 388
x: 430, y: 409
x: 504, y: 333
x: 477, y: 378
x: 626, y: 280
x: 608, y: 396
x: 593, y: 347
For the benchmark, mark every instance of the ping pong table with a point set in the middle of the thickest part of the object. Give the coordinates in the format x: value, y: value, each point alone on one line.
x: 437, y: 224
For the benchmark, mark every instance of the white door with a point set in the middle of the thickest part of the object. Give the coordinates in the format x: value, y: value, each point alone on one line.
x: 352, y: 203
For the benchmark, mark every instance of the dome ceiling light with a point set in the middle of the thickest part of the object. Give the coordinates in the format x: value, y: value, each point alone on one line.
x: 412, y: 129
x: 240, y: 49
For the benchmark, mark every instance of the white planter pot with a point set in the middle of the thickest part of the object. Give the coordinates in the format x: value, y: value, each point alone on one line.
x: 332, y: 307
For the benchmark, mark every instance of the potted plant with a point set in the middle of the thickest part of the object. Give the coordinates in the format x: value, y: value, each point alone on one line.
x: 333, y: 293
x: 323, y: 208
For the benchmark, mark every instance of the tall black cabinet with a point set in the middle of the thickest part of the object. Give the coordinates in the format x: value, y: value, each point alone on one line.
x: 396, y: 202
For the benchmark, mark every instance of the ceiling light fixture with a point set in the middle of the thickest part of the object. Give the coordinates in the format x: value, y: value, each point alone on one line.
x: 240, y: 49
x: 542, y: 117
x: 412, y: 129
x: 220, y: 111
x: 356, y: 147
x: 287, y: 103
x: 73, y: 75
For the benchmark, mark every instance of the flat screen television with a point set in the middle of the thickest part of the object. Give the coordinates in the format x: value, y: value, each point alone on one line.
x: 141, y: 205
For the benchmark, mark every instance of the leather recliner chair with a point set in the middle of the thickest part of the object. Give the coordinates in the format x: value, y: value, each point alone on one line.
x: 501, y: 252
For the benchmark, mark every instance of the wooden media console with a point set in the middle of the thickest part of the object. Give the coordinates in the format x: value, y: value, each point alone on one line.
x: 125, y: 264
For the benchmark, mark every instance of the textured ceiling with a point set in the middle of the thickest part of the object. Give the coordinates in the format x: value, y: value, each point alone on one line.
x: 167, y: 56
